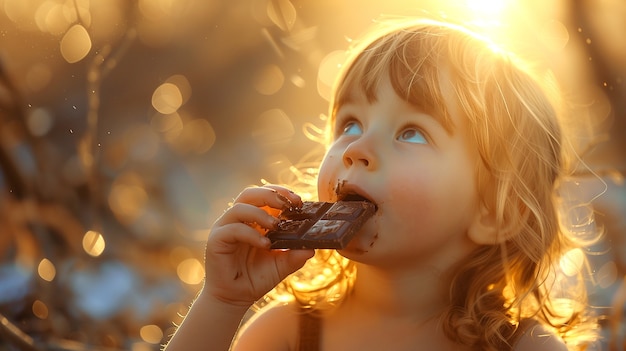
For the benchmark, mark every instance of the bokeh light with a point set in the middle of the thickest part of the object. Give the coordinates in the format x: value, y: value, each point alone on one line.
x: 171, y: 124
x: 49, y: 18
x: 40, y: 310
x: 156, y: 9
x: 607, y: 275
x: 197, y: 137
x: 273, y: 127
x: 128, y: 197
x: 151, y: 334
x: 93, y: 243
x: 167, y: 98
x: 47, y: 270
x: 270, y: 80
x: 190, y: 271
x: 75, y: 44
x: 39, y: 122
x: 328, y: 71
x: 182, y: 84
x: 282, y: 13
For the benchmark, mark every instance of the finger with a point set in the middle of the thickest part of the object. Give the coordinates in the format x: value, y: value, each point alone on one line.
x: 294, y: 198
x: 269, y: 196
x: 249, y: 214
x: 290, y: 261
x: 221, y: 240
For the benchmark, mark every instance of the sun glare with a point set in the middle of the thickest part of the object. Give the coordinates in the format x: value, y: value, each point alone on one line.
x: 487, y: 9
x: 490, y: 15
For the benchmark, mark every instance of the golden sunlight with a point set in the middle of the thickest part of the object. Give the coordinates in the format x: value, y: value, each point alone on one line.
x: 572, y: 262
x: 488, y: 17
x: 487, y: 9
x: 162, y: 111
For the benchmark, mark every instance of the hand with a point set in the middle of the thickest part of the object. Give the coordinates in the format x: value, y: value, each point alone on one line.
x: 240, y: 267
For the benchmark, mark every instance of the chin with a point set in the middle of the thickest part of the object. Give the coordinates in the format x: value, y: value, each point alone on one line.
x: 361, y: 244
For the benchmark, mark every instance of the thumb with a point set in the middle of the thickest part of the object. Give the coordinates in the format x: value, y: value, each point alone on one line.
x: 292, y: 260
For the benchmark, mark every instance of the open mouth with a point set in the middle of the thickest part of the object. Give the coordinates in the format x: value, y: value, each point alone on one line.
x: 348, y: 193
x: 352, y: 197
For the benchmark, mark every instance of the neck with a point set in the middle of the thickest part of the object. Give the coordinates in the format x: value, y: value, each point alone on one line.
x: 414, y: 294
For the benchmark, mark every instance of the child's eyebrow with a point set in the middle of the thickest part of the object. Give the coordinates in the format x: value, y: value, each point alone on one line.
x: 445, y: 122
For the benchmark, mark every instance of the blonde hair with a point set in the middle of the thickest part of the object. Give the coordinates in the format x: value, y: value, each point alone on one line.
x: 514, y: 123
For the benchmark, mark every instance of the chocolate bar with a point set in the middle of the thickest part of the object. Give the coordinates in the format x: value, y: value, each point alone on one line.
x: 320, y: 225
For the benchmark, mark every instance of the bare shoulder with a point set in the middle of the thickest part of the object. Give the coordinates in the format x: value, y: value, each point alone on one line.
x: 274, y: 327
x: 538, y: 338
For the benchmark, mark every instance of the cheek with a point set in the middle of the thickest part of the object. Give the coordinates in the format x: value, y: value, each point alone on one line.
x: 327, y: 178
x: 412, y: 199
x: 424, y: 203
x: 427, y: 203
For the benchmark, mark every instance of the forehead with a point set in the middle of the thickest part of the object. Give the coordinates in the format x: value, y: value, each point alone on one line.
x: 413, y: 61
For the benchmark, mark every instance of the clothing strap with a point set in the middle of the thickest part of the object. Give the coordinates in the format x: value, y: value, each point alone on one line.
x: 310, y: 328
x: 524, y: 326
x: 310, y: 324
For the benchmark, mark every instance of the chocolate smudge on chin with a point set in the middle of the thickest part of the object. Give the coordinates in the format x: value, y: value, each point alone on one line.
x: 373, y: 241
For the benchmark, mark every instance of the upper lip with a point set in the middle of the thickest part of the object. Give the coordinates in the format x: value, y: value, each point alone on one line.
x: 345, y: 188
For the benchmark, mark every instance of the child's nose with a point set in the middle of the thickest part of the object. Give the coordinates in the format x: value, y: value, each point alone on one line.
x: 358, y: 153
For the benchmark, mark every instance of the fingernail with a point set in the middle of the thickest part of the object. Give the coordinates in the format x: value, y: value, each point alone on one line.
x: 275, y: 222
x: 287, y: 204
x: 265, y: 241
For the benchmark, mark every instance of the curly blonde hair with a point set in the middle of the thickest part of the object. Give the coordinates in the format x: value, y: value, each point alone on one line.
x: 514, y: 122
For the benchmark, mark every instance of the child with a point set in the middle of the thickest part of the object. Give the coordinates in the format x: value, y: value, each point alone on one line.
x: 459, y: 148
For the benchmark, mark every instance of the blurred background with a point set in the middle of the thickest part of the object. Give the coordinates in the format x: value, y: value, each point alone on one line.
x: 127, y: 126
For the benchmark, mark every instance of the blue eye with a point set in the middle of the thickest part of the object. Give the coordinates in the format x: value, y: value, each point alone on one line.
x: 412, y: 135
x: 352, y: 128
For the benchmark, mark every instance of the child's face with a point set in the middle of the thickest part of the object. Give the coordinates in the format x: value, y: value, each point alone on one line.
x: 420, y: 175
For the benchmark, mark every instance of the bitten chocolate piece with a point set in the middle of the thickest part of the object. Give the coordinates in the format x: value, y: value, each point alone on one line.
x: 320, y: 225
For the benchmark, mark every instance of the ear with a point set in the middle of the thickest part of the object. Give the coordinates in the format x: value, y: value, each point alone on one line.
x: 484, y: 228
